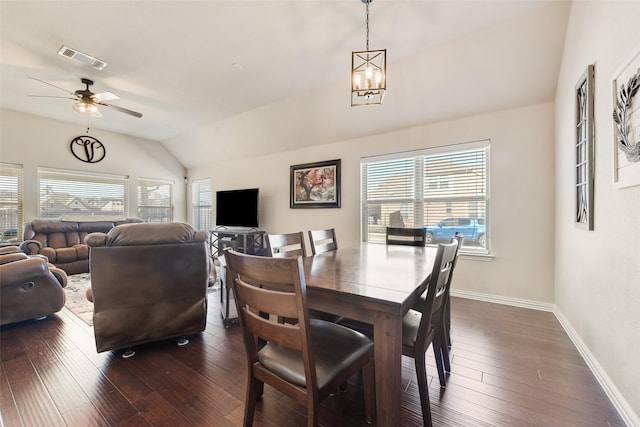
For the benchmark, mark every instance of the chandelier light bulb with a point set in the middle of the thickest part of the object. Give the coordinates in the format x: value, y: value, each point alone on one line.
x: 357, y: 81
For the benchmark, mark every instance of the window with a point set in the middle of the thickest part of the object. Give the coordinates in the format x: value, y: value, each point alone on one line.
x: 201, y: 204
x: 81, y: 195
x: 10, y: 203
x: 155, y: 200
x: 444, y: 190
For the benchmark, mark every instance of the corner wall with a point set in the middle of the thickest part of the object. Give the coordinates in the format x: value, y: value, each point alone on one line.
x: 597, y: 273
x: 38, y: 142
x: 521, y: 200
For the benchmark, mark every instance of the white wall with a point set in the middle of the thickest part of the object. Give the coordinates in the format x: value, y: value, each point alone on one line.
x: 38, y: 142
x: 598, y: 272
x: 521, y: 208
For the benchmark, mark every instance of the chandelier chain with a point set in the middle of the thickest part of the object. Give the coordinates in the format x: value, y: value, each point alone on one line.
x: 367, y: 3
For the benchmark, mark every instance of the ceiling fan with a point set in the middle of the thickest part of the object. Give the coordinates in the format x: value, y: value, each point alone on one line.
x: 86, y: 101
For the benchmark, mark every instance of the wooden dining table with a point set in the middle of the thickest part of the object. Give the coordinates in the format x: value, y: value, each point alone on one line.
x: 377, y: 284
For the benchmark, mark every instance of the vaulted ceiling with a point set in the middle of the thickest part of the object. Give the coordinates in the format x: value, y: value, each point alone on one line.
x: 202, y: 71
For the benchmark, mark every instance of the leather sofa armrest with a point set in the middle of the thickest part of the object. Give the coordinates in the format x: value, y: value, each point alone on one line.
x: 95, y: 239
x: 31, y: 247
x: 6, y: 258
x: 23, y: 270
x: 59, y: 274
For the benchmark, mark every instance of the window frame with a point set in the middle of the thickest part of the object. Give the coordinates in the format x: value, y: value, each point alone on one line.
x: 8, y: 170
x: 170, y: 206
x: 89, y: 179
x: 197, y: 214
x: 466, y: 193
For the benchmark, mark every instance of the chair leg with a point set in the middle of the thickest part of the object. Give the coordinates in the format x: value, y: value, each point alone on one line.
x: 423, y: 388
x: 253, y: 393
x: 369, y: 386
x: 437, y: 352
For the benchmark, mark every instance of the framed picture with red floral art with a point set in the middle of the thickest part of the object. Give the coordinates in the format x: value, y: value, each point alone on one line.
x: 315, y: 185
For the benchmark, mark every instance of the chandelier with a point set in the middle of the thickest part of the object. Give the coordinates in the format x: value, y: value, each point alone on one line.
x: 368, y: 73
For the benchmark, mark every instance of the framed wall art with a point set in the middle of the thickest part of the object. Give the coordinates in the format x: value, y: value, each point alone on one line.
x: 626, y: 123
x: 315, y: 185
x: 584, y: 155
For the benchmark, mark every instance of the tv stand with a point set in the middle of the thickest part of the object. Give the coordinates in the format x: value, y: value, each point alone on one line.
x: 249, y: 241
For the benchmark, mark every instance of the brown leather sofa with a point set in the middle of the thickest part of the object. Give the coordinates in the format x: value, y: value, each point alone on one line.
x: 62, y: 242
x: 30, y: 287
x: 148, y: 283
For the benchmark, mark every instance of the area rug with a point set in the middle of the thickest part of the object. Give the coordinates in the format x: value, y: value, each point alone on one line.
x: 77, y: 301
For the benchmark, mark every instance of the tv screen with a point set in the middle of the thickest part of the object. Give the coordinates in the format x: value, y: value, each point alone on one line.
x: 237, y: 208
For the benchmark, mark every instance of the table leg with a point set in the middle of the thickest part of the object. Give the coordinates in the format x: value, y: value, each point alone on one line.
x: 387, y: 341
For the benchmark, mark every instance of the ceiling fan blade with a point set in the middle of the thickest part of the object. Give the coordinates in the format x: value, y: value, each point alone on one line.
x: 122, y: 110
x: 56, y: 97
x: 50, y: 84
x: 105, y: 96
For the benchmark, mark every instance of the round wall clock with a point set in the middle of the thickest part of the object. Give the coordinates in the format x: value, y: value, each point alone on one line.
x: 87, y: 149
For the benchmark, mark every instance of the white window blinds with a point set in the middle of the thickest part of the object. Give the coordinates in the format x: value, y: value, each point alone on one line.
x: 69, y: 194
x: 428, y: 189
x: 201, y: 204
x: 155, y: 200
x: 10, y: 203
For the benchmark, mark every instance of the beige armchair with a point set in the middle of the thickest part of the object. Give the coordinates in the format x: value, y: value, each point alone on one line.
x: 30, y: 287
x: 148, y: 283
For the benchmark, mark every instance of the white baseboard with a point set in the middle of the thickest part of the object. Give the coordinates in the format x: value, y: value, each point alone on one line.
x: 619, y: 402
x: 516, y: 302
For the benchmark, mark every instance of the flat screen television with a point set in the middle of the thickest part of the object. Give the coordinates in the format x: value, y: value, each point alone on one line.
x: 237, y: 208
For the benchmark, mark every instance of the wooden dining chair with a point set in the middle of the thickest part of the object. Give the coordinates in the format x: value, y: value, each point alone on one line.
x: 406, y: 236
x: 422, y: 325
x: 307, y: 360
x: 323, y: 240
x: 286, y: 245
x: 445, y: 314
x: 421, y: 328
x: 292, y: 245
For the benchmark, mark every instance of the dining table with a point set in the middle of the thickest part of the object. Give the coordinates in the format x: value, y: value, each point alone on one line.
x: 377, y: 284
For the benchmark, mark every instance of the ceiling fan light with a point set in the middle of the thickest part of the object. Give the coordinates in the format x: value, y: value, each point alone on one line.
x: 87, y: 108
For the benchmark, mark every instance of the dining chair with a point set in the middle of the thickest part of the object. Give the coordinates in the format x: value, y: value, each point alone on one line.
x: 292, y: 245
x: 406, y: 236
x: 442, y: 318
x: 323, y: 240
x: 307, y: 360
x: 286, y: 245
x: 421, y: 328
x: 423, y: 325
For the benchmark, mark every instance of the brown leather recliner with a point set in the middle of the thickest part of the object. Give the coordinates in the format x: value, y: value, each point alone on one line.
x: 148, y: 283
x: 30, y: 287
x: 62, y: 242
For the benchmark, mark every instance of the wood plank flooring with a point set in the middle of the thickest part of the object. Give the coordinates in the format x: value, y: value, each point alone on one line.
x: 510, y: 367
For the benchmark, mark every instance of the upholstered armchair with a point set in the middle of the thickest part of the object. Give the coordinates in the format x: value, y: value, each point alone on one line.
x: 148, y: 283
x: 30, y: 287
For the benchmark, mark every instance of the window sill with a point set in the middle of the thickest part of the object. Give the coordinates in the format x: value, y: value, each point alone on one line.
x: 477, y: 257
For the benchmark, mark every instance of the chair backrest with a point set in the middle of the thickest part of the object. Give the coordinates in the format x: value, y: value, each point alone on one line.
x: 406, y: 236
x: 286, y: 245
x: 459, y: 239
x: 266, y: 289
x: 149, y: 282
x: 436, y: 291
x: 323, y: 240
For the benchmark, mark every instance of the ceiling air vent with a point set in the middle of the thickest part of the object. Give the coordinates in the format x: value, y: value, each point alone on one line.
x: 82, y: 58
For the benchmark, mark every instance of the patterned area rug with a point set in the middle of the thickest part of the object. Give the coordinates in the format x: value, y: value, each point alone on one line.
x: 77, y: 301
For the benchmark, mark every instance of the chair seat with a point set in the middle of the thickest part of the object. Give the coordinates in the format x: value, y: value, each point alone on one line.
x: 410, y: 325
x: 334, y: 348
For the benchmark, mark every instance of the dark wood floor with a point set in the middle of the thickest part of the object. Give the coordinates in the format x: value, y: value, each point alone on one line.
x: 511, y: 367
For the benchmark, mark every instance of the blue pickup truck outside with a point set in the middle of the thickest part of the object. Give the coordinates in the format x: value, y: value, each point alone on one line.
x: 473, y: 229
